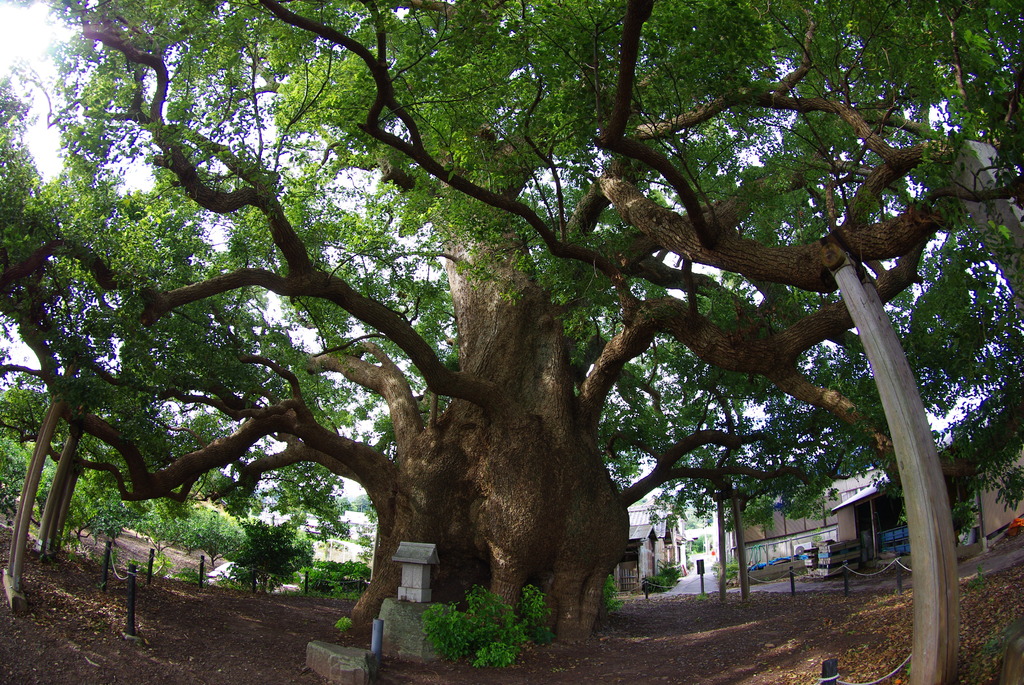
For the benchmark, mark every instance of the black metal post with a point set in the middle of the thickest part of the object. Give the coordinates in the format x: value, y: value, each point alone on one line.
x: 202, y: 568
x: 149, y: 570
x: 846, y: 580
x: 792, y: 582
x: 254, y: 581
x: 899, y: 578
x: 829, y: 671
x: 106, y: 566
x: 305, y: 584
x: 129, y: 628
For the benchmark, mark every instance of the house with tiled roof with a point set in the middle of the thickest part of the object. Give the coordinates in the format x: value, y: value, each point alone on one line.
x: 654, y: 542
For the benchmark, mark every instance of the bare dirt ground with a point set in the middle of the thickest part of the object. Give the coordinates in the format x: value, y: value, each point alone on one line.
x: 73, y: 633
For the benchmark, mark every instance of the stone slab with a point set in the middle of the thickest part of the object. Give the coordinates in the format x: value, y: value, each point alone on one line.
x: 341, y: 665
x: 403, y: 631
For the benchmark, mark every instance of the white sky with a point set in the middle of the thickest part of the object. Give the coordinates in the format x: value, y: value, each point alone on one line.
x: 26, y: 38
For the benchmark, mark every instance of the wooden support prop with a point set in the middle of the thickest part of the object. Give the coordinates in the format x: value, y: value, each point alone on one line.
x: 721, y: 548
x: 65, y: 505
x: 19, y: 536
x: 741, y: 548
x: 936, y: 590
x: 54, y: 500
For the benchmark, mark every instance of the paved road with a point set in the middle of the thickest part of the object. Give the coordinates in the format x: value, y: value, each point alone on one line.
x: 1007, y: 553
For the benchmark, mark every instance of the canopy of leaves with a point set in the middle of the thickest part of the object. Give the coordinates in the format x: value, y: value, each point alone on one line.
x: 662, y: 170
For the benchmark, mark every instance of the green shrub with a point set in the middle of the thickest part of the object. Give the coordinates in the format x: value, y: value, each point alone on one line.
x: 489, y: 631
x: 732, y: 570
x: 497, y: 655
x: 978, y: 581
x: 343, y: 623
x: 273, y: 552
x: 189, y: 575
x: 611, y: 595
x: 161, y: 564
x: 533, y: 614
x: 665, y: 579
x: 345, y: 579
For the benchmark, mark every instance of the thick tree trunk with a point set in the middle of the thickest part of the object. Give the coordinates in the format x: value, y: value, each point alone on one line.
x: 512, y: 496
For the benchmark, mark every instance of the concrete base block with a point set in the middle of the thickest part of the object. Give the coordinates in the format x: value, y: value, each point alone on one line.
x: 1013, y: 654
x: 403, y: 631
x: 15, y: 599
x: 341, y: 665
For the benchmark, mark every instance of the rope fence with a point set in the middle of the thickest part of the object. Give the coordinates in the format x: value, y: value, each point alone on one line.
x: 830, y: 673
x: 113, y: 567
x: 867, y: 575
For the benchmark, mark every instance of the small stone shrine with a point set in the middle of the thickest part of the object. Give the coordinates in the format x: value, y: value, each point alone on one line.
x: 403, y: 617
x: 417, y: 559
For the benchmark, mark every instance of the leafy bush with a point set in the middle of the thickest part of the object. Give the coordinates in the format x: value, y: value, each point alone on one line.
x: 489, y: 631
x: 189, y: 575
x: 665, y: 579
x: 978, y: 581
x: 497, y: 655
x: 533, y: 614
x: 343, y: 623
x: 732, y: 571
x: 610, y: 596
x: 273, y: 552
x: 164, y: 524
x: 214, y: 533
x: 112, y: 517
x: 337, y: 578
x: 13, y: 458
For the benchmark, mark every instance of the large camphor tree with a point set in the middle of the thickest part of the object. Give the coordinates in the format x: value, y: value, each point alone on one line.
x: 459, y: 253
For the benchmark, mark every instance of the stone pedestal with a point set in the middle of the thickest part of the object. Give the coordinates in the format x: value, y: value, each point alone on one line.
x: 403, y: 631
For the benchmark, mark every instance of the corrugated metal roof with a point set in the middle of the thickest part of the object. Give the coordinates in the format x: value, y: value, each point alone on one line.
x: 859, y: 496
x: 640, y: 532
